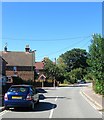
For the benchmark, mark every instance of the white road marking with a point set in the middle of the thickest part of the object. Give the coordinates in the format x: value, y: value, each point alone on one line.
x: 56, y: 98
x: 4, y: 112
x: 95, y: 107
x: 51, y: 113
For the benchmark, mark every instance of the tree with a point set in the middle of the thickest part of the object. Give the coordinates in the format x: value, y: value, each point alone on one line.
x: 75, y: 58
x: 96, y: 62
x: 73, y: 64
x: 51, y: 69
x: 76, y: 74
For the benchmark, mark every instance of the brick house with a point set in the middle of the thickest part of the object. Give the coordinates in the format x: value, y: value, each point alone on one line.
x: 20, y: 64
x: 39, y: 67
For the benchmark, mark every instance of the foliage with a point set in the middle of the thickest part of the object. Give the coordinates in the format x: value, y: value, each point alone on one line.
x: 89, y: 77
x: 61, y: 64
x: 73, y: 64
x: 76, y: 74
x: 18, y: 80
x: 67, y: 76
x: 99, y: 86
x: 96, y: 62
x: 66, y: 81
x: 51, y: 69
x: 75, y: 58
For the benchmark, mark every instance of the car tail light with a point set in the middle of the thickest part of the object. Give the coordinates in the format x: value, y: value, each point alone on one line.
x: 6, y: 96
x: 29, y: 97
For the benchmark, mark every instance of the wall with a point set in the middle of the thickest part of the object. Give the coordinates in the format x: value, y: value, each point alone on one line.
x: 25, y: 75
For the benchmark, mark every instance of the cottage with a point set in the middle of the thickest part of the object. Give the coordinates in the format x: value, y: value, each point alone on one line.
x: 20, y: 64
x: 39, y: 67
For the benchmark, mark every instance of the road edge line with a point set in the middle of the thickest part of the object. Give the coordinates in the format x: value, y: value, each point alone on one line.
x: 98, y: 106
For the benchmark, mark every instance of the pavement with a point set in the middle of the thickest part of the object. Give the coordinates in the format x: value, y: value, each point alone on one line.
x: 96, y: 99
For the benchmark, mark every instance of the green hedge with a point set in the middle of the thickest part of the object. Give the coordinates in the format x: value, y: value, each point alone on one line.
x: 98, y: 87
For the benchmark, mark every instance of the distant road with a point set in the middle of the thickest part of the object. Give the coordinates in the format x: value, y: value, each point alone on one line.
x: 62, y: 102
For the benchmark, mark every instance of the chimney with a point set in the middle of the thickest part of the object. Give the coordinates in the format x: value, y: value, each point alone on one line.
x: 27, y: 49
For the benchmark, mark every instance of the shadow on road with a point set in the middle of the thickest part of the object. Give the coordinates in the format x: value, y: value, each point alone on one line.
x: 40, y: 90
x: 42, y: 97
x: 53, y: 97
x: 42, y: 106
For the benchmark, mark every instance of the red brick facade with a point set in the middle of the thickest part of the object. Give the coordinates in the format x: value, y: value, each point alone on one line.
x: 25, y: 75
x: 20, y: 64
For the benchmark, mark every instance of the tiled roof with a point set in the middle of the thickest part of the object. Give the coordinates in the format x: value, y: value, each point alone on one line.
x: 39, y: 65
x: 18, y: 58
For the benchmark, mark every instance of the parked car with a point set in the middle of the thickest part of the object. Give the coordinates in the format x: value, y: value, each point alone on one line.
x: 21, y: 96
x: 81, y: 81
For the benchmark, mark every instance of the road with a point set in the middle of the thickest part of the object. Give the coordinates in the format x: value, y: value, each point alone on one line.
x: 61, y: 102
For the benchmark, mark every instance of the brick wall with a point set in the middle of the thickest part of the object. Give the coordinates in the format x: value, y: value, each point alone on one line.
x: 25, y: 75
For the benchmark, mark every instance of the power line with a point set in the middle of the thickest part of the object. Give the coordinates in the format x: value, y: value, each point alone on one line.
x: 58, y: 39
x: 78, y: 42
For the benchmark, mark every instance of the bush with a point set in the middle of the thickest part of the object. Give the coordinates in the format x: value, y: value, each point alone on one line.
x: 18, y: 80
x: 72, y: 81
x: 98, y: 87
x: 66, y: 81
x: 89, y: 77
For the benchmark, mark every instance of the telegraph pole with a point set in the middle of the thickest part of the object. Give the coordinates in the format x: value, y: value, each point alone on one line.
x: 33, y: 61
x: 54, y: 75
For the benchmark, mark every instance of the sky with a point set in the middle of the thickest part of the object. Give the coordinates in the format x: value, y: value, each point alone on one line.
x: 50, y: 28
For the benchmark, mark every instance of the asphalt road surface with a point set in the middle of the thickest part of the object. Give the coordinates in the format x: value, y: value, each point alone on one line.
x: 62, y: 102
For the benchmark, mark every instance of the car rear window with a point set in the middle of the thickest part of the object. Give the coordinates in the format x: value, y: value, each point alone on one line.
x: 18, y: 89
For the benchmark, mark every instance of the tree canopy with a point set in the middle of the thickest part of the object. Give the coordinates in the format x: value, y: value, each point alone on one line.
x: 96, y: 62
x: 75, y: 58
x: 51, y: 69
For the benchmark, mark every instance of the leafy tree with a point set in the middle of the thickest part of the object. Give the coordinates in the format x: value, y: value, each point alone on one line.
x: 51, y: 69
x: 76, y: 74
x: 73, y: 64
x: 96, y: 62
x: 75, y: 58
x: 62, y: 70
x: 61, y: 64
x: 89, y: 77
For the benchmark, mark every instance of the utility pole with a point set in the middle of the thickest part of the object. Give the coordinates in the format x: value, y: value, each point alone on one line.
x: 54, y: 76
x: 33, y: 61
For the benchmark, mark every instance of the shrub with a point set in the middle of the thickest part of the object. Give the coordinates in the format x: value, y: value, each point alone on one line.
x: 98, y: 87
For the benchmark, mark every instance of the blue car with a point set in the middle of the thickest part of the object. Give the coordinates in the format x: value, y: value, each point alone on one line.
x: 21, y: 96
